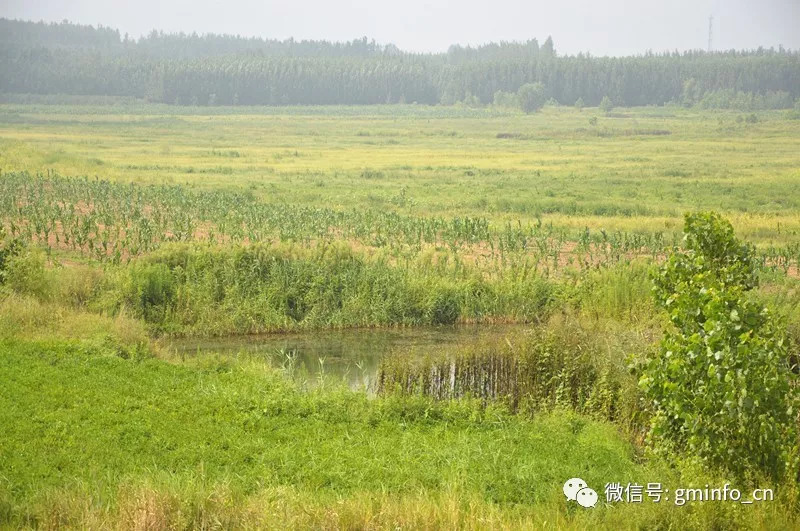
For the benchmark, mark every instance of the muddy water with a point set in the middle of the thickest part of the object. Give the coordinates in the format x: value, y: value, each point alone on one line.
x: 350, y: 356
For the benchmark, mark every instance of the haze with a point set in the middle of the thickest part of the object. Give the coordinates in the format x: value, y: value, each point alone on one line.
x: 616, y: 27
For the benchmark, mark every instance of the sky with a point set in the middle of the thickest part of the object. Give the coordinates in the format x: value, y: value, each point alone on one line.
x: 612, y: 27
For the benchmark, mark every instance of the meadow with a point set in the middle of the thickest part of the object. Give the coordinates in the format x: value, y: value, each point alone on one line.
x: 129, y: 224
x: 634, y: 169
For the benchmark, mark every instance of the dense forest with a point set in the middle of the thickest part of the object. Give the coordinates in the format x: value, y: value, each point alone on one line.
x: 65, y: 58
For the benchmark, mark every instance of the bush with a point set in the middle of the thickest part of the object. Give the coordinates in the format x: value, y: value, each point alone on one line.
x: 606, y: 105
x: 720, y: 385
x: 8, y: 250
x: 22, y: 270
x: 151, y: 292
x: 531, y: 97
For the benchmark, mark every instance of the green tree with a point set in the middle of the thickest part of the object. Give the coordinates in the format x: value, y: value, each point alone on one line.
x: 606, y: 105
x: 531, y: 97
x: 720, y: 385
x: 690, y: 95
x: 548, y: 49
x: 579, y: 104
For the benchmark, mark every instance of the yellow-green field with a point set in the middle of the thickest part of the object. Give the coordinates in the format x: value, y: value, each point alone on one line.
x: 636, y: 169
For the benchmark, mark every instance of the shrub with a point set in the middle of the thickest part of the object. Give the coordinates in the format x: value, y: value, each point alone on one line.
x: 606, y: 105
x: 8, y: 250
x: 531, y: 97
x: 720, y: 384
x: 22, y: 269
x: 151, y: 291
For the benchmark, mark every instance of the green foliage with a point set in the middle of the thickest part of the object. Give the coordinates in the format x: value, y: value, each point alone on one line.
x: 22, y: 268
x: 262, y: 288
x: 606, y: 105
x: 531, y: 97
x: 209, y: 69
x: 444, y: 306
x: 555, y: 366
x: 77, y: 414
x: 151, y: 291
x: 720, y: 386
x: 506, y: 99
x: 744, y: 101
x: 579, y: 104
x: 9, y: 248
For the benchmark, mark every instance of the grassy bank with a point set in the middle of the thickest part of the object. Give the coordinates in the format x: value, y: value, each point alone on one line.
x: 106, y: 441
x: 99, y: 421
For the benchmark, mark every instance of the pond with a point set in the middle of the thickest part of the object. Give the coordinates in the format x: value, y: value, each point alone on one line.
x: 352, y: 356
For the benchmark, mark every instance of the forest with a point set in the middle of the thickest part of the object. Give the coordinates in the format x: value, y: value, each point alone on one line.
x: 191, y: 69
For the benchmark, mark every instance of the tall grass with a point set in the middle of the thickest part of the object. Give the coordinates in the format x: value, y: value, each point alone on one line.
x: 561, y: 365
x: 212, y: 290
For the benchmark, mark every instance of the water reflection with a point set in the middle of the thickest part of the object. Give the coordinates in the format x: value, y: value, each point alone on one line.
x: 352, y: 356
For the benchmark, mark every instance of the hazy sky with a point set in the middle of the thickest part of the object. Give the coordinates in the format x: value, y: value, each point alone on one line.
x: 613, y: 27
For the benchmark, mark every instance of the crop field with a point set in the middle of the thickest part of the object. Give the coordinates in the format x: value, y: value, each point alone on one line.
x: 128, y: 226
x: 636, y: 170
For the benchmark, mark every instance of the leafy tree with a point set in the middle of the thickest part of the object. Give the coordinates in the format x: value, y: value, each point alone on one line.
x: 690, y: 95
x: 721, y: 385
x: 548, y: 49
x: 531, y: 97
x: 606, y: 105
x: 579, y: 104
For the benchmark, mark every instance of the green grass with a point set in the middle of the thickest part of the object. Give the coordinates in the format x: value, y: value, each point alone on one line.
x: 104, y: 439
x: 98, y: 420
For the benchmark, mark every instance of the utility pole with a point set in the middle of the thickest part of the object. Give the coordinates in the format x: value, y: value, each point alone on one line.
x: 710, y: 31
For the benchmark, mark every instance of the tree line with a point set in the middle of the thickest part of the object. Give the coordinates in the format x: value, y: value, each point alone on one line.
x: 38, y: 58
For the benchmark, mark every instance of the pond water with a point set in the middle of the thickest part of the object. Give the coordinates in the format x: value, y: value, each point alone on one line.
x: 352, y: 356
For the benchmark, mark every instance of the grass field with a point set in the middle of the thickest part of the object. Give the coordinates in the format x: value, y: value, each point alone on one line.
x: 225, y: 221
x: 636, y: 169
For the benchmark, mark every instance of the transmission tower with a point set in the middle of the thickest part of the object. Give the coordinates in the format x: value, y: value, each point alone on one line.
x: 710, y: 31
